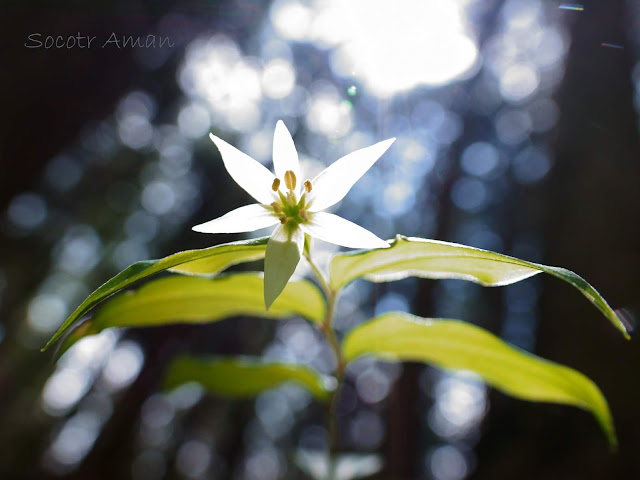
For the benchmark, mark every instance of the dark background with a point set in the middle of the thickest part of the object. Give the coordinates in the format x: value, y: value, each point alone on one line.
x: 583, y: 215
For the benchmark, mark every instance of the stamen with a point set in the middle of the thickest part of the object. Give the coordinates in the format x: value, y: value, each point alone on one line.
x: 290, y: 180
x: 283, y: 219
x: 276, y: 207
x: 304, y: 215
x: 275, y: 185
x: 308, y: 186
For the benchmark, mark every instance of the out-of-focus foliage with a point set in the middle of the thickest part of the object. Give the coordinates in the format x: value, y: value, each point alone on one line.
x: 244, y: 377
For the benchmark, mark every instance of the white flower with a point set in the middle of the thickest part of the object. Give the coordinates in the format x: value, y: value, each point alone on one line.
x: 296, y: 209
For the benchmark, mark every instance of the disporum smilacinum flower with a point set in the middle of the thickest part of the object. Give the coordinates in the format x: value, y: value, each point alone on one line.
x: 292, y: 204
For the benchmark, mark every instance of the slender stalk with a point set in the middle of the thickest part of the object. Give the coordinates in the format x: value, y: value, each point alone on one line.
x: 332, y: 420
x: 327, y: 328
x: 330, y: 294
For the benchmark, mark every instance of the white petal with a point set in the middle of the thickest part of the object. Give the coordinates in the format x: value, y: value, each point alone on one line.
x: 243, y: 219
x: 333, y: 183
x: 248, y: 173
x: 334, y: 229
x: 280, y: 260
x: 285, y: 156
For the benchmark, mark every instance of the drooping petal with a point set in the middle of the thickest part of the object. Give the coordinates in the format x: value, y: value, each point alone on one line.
x: 333, y: 183
x: 243, y: 219
x: 285, y: 156
x: 334, y: 229
x: 281, y: 259
x: 251, y: 175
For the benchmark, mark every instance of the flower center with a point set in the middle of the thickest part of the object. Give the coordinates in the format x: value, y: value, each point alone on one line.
x: 289, y: 209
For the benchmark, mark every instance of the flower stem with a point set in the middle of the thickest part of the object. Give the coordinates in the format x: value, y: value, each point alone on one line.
x: 330, y: 334
x: 330, y: 294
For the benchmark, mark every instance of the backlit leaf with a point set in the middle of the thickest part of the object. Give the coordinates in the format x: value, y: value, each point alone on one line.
x: 210, y: 261
x: 241, y: 377
x: 424, y: 258
x: 457, y: 345
x: 281, y: 259
x: 202, y: 300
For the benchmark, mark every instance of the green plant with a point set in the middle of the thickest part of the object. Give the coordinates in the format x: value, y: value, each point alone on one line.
x: 200, y: 292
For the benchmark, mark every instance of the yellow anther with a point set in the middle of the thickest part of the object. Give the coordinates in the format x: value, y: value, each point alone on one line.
x: 276, y: 207
x: 275, y: 185
x: 304, y: 215
x: 308, y: 186
x: 290, y: 180
x: 283, y: 219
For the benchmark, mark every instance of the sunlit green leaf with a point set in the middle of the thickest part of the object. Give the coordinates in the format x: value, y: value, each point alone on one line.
x: 458, y: 345
x: 201, y: 300
x: 242, y: 377
x: 208, y: 260
x: 424, y: 258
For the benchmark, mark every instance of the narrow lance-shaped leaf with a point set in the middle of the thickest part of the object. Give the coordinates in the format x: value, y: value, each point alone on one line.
x: 419, y: 257
x: 206, y: 261
x: 241, y: 377
x: 202, y: 300
x: 458, y: 345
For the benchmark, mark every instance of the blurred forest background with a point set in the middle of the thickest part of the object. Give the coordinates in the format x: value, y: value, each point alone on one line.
x: 517, y: 132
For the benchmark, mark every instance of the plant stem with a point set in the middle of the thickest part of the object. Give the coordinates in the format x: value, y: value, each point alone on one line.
x: 330, y: 334
x: 330, y: 294
x: 332, y: 420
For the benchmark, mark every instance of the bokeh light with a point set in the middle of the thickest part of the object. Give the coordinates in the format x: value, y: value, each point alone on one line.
x: 377, y: 43
x: 470, y: 90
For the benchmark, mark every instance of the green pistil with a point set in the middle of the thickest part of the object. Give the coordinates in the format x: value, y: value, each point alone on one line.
x: 294, y: 213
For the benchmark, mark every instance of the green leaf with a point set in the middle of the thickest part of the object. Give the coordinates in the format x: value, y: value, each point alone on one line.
x: 419, y: 257
x: 202, y: 300
x: 458, y: 345
x: 281, y: 259
x: 210, y: 260
x: 245, y: 377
